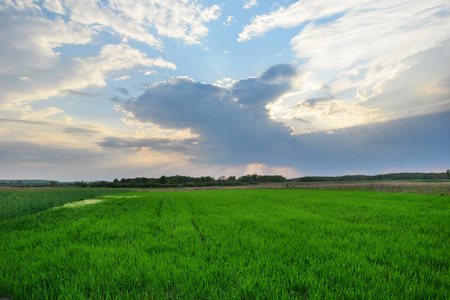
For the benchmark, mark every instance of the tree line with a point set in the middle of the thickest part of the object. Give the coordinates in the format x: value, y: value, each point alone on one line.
x: 185, y: 181
x: 188, y: 181
x: 393, y: 176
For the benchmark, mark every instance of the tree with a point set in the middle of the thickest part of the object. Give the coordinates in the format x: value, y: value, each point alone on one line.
x: 448, y: 174
x: 163, y: 180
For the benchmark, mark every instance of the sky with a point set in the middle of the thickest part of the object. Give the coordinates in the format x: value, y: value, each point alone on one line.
x: 104, y: 89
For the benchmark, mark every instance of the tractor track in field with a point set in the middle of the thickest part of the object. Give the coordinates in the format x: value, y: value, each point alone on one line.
x: 202, y: 237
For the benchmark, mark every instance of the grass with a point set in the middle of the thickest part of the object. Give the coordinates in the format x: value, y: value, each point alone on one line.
x: 232, y: 244
x: 14, y: 203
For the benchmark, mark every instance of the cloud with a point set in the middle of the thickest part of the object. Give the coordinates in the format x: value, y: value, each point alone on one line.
x: 229, y: 20
x: 322, y: 114
x: 185, y: 146
x: 373, y: 31
x: 123, y: 90
x: 234, y: 127
x: 226, y: 52
x: 21, y: 152
x: 134, y: 20
x: 74, y: 75
x: 380, y: 59
x: 175, y: 19
x: 31, y: 68
x: 294, y: 15
x: 225, y: 82
x: 417, y: 143
x: 424, y: 88
x: 28, y: 42
x: 79, y: 131
x: 116, y: 99
x: 125, y: 77
x: 79, y: 94
x: 250, y: 3
x: 233, y: 123
x: 18, y: 121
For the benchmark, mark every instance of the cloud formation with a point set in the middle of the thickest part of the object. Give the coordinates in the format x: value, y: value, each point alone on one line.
x: 186, y: 146
x: 140, y: 20
x: 234, y: 128
x: 232, y: 122
x: 73, y: 75
x: 380, y: 60
x: 31, y: 68
x: 250, y: 3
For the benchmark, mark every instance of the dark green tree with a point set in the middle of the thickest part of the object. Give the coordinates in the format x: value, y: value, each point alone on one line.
x: 163, y: 180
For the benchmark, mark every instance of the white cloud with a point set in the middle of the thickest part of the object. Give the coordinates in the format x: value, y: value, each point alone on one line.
x: 103, y: 17
x: 373, y: 30
x: 294, y: 15
x: 149, y: 73
x: 125, y: 77
x: 175, y: 19
x: 373, y: 44
x: 54, y: 6
x: 229, y: 20
x: 322, y: 114
x: 250, y: 3
x: 28, y: 42
x: 226, y: 52
x: 140, y: 20
x: 377, y: 52
x: 75, y: 74
x: 225, y: 82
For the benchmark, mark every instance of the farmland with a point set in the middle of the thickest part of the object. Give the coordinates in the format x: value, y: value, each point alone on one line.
x: 233, y: 244
x: 20, y: 202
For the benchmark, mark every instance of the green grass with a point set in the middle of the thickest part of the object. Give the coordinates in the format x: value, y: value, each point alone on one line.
x: 232, y: 244
x: 14, y: 203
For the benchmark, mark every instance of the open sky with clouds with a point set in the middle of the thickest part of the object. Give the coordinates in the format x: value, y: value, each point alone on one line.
x: 104, y: 89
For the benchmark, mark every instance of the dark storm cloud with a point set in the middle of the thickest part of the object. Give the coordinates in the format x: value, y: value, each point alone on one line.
x: 233, y: 123
x: 419, y: 142
x: 187, y: 146
x: 235, y: 128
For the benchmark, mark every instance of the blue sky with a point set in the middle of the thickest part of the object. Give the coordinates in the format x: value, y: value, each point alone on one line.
x: 109, y: 89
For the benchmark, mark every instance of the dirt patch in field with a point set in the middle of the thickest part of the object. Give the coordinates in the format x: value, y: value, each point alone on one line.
x: 80, y: 203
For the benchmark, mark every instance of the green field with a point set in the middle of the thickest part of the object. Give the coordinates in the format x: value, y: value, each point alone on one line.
x: 14, y: 203
x: 232, y: 244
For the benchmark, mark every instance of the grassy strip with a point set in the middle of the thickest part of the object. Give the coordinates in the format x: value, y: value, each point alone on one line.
x: 15, y: 203
x: 232, y: 244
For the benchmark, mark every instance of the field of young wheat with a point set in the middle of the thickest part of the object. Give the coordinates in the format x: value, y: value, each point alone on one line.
x: 230, y: 244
